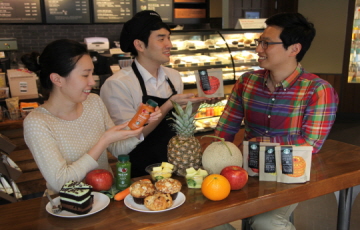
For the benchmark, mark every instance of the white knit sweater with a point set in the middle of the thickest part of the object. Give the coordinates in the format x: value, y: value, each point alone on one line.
x: 59, y: 146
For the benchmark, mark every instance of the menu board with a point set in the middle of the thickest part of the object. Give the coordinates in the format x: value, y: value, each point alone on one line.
x: 112, y: 11
x: 20, y: 11
x: 67, y: 11
x: 162, y: 7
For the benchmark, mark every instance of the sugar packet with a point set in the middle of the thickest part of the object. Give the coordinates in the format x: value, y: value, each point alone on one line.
x: 251, y: 153
x: 293, y: 163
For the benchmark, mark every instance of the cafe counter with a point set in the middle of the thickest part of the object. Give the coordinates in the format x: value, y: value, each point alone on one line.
x: 330, y: 172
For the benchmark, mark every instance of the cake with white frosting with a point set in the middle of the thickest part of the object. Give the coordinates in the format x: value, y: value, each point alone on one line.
x: 76, y: 197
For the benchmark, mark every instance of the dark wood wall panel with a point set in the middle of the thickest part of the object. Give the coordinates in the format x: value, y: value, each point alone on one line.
x: 350, y: 98
x: 256, y: 4
x: 265, y: 7
x: 333, y: 79
x: 246, y: 4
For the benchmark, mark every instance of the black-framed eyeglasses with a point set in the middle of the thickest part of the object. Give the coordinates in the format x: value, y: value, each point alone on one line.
x: 265, y: 44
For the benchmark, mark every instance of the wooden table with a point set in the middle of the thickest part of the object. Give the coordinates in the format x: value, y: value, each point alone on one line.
x: 336, y: 167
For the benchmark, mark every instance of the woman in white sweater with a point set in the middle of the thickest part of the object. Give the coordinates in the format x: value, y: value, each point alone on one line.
x: 69, y: 134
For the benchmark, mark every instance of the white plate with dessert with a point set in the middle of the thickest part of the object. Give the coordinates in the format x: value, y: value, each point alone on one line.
x: 129, y: 202
x: 101, y: 201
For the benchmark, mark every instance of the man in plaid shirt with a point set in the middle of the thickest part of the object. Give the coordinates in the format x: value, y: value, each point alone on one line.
x: 281, y: 103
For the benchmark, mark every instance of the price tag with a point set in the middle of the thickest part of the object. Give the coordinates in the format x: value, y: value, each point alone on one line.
x: 256, y: 23
x: 287, y: 160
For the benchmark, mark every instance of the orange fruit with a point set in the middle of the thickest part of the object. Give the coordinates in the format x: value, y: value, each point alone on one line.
x: 215, y: 187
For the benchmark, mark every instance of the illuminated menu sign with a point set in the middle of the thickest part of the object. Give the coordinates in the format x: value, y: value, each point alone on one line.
x: 162, y: 7
x: 20, y: 11
x: 67, y: 11
x: 112, y: 11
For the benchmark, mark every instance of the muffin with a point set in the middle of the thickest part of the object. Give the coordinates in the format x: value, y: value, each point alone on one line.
x: 168, y: 186
x: 141, y: 189
x: 158, y: 201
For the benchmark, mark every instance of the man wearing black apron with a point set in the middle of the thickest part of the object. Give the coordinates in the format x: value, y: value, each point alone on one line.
x: 148, y: 39
x: 155, y: 144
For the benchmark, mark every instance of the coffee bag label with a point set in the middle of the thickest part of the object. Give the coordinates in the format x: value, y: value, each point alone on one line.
x: 287, y: 160
x: 270, y: 162
x: 204, y: 80
x: 209, y: 83
x: 254, y: 150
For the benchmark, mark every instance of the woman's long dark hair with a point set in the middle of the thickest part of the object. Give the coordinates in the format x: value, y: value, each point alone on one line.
x: 59, y: 57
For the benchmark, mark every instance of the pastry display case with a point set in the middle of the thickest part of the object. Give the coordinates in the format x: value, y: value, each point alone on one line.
x: 231, y: 50
x: 208, y: 116
x: 354, y: 62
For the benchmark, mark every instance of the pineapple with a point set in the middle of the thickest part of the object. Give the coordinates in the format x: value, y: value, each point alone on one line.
x: 184, y: 150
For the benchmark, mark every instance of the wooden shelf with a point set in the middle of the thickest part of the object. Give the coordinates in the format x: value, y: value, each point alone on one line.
x: 11, y: 124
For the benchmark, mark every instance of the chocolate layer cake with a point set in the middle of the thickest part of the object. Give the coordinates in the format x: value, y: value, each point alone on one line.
x: 76, y: 197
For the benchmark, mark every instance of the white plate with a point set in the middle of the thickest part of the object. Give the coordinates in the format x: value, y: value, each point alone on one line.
x: 101, y: 201
x: 129, y: 202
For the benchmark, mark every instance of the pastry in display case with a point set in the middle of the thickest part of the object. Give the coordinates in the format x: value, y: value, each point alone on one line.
x: 231, y: 50
x: 208, y: 116
x: 354, y: 61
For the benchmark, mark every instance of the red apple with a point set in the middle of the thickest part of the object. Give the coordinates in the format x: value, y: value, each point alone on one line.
x: 100, y: 179
x: 236, y: 175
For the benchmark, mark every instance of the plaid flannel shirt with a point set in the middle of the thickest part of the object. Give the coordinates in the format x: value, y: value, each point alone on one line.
x: 299, y: 112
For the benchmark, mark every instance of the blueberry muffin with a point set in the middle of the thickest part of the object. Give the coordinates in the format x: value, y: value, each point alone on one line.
x: 158, y: 201
x: 169, y: 186
x: 141, y: 189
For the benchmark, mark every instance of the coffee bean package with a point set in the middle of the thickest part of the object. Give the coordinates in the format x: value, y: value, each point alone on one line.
x: 251, y: 156
x: 209, y: 83
x: 293, y: 163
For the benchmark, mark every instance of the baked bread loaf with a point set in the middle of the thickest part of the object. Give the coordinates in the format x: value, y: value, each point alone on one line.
x: 168, y: 186
x: 141, y: 189
x: 158, y: 201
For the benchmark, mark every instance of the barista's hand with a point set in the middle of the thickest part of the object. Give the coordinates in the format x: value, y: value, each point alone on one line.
x: 214, y: 100
x: 118, y: 133
x: 182, y: 99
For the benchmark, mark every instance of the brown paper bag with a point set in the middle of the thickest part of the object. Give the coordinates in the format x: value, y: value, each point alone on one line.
x: 209, y: 83
x: 293, y: 163
x: 251, y: 153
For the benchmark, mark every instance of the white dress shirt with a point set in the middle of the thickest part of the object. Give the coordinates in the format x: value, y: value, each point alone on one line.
x: 122, y: 93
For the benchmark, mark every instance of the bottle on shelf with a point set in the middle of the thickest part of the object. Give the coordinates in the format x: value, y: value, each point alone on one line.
x: 352, y: 72
x: 357, y: 13
x: 356, y: 33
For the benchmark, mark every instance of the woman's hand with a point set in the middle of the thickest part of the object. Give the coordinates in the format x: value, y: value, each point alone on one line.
x: 114, y: 134
x: 118, y: 133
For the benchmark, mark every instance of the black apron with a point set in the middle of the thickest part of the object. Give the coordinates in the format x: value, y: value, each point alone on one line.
x: 154, y: 147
